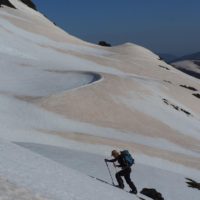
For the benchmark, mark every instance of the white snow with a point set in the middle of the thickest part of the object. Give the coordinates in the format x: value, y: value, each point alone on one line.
x: 153, y: 106
x: 25, y: 116
x: 187, y: 64
x: 50, y: 179
x: 35, y: 161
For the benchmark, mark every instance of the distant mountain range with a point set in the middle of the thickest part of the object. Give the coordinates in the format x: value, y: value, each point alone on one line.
x: 194, y: 56
x: 189, y: 64
x: 167, y: 57
x: 170, y: 58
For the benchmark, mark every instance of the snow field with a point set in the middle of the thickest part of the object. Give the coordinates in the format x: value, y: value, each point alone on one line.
x: 38, y: 162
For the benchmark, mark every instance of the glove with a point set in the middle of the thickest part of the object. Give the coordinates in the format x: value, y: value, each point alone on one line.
x: 106, y: 160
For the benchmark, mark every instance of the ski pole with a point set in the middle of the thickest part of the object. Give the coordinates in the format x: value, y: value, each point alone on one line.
x: 110, y: 173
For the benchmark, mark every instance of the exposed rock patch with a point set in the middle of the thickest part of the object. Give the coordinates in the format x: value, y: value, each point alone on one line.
x: 196, y: 95
x: 167, y: 81
x: 189, y: 87
x: 152, y: 193
x: 193, y: 184
x: 164, y: 67
x: 176, y: 107
x: 6, y: 3
x: 105, y: 44
x: 30, y: 4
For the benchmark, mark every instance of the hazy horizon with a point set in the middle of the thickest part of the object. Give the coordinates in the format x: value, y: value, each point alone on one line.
x: 164, y: 27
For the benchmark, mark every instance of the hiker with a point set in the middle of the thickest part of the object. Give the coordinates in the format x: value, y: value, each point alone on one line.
x: 125, y: 171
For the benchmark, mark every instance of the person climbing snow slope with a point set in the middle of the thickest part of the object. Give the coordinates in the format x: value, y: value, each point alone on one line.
x: 125, y: 162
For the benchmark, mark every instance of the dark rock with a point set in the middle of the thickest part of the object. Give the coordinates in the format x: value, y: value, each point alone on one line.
x: 152, y: 193
x: 164, y: 67
x: 105, y: 44
x: 185, y: 111
x: 30, y: 4
x: 176, y: 107
x: 166, y: 101
x: 193, y: 184
x: 196, y: 95
x: 168, y: 81
x: 6, y: 3
x: 189, y: 87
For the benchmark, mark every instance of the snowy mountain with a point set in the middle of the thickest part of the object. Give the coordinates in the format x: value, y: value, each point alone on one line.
x: 65, y: 104
x: 189, y: 64
x: 191, y: 67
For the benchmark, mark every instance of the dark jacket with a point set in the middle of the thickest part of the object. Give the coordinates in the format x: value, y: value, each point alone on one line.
x: 120, y: 160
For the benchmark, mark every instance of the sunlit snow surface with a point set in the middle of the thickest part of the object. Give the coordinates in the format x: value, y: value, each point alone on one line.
x: 49, y: 154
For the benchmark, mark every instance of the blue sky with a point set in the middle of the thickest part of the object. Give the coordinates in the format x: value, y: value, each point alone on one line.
x: 166, y: 26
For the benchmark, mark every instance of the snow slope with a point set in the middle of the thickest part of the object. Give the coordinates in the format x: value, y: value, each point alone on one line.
x: 54, y: 181
x: 65, y: 104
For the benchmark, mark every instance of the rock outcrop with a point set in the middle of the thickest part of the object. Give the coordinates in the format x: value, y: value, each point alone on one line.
x: 30, y: 4
x: 6, y: 3
x: 152, y: 193
x: 105, y: 44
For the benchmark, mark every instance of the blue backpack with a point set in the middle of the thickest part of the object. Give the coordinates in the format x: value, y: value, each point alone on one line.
x: 128, y: 159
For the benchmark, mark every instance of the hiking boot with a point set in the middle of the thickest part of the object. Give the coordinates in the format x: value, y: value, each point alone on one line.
x: 133, y: 192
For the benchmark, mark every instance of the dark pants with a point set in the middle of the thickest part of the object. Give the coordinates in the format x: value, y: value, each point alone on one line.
x: 127, y: 175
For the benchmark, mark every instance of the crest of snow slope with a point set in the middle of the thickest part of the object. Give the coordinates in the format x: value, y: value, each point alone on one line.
x: 43, y: 101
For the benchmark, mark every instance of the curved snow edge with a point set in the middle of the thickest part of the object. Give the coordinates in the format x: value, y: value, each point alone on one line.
x: 96, y: 77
